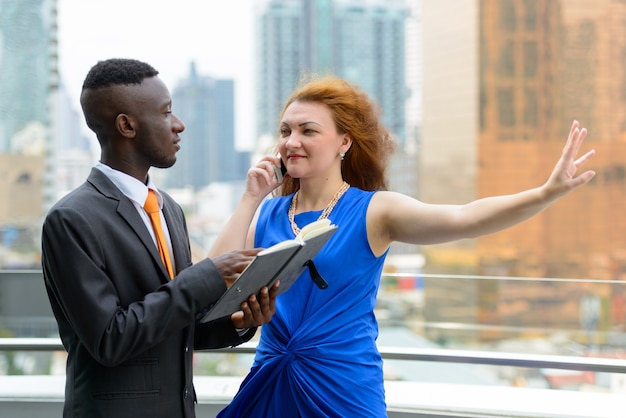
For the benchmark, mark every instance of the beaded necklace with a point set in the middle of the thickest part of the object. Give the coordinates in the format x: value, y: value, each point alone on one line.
x: 294, y: 202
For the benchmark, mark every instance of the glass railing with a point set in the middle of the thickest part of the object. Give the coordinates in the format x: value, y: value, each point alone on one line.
x: 495, y: 342
x: 572, y: 320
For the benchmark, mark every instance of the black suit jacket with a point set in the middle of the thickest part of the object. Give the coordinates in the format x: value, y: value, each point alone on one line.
x: 128, y: 329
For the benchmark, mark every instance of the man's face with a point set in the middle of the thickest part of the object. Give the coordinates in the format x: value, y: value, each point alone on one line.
x: 157, y: 138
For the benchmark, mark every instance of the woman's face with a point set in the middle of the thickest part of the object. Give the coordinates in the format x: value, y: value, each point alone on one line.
x: 308, y: 140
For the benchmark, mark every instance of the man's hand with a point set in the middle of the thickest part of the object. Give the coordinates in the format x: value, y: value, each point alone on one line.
x: 231, y: 264
x: 257, y: 311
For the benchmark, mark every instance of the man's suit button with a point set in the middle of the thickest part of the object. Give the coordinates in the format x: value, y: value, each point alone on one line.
x: 186, y: 393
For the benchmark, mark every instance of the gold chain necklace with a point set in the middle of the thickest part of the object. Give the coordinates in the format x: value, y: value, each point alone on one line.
x: 294, y: 202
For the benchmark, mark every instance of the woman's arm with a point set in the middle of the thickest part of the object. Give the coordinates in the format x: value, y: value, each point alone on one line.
x: 238, y: 233
x: 395, y: 217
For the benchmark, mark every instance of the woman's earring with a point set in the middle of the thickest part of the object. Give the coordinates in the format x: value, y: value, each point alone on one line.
x: 342, y: 154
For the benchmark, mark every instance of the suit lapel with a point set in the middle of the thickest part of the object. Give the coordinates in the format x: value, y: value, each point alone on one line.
x: 178, y: 234
x: 128, y: 212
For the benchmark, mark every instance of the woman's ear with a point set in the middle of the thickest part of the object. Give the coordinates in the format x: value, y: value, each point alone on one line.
x: 346, y: 143
x: 125, y: 125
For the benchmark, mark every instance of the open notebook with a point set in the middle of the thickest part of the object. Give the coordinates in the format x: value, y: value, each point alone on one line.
x: 285, y: 261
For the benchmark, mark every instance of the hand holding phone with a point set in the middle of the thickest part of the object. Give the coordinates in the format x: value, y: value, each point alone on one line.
x: 280, y: 172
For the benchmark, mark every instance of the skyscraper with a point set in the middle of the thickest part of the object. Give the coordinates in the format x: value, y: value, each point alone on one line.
x: 362, y: 41
x: 206, y: 106
x: 28, y: 63
x: 28, y: 87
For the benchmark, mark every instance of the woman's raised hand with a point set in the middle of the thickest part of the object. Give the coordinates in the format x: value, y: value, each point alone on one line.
x: 563, y: 178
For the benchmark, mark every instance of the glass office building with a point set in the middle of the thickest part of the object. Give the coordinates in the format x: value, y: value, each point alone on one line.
x: 362, y: 41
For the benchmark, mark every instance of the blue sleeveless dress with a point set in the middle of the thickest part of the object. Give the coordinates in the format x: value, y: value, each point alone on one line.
x: 317, y: 357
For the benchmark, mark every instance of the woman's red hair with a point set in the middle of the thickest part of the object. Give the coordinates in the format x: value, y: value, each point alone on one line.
x: 355, y: 113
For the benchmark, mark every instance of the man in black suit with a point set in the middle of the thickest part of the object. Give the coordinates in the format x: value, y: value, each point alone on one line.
x: 129, y: 329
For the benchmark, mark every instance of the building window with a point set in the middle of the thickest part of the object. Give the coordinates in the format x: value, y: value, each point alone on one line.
x: 508, y: 15
x: 530, y: 59
x: 530, y: 15
x: 23, y: 178
x: 506, y: 61
x: 530, y: 108
x: 506, y: 109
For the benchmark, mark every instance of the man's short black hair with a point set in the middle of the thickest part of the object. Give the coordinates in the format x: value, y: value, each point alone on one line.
x: 116, y: 71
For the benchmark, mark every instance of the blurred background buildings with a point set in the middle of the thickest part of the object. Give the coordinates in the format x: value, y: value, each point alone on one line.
x: 206, y: 106
x: 518, y: 73
x: 479, y: 94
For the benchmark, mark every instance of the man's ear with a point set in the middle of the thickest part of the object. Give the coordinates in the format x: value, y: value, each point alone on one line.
x: 125, y: 125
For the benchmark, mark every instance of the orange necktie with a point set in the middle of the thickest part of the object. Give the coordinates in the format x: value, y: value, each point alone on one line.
x: 152, y: 207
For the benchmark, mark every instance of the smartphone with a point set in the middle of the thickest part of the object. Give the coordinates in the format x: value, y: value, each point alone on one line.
x: 280, y: 172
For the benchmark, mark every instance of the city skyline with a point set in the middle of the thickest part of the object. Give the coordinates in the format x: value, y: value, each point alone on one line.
x: 170, y: 40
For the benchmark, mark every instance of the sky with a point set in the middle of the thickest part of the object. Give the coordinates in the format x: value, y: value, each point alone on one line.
x: 215, y: 34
